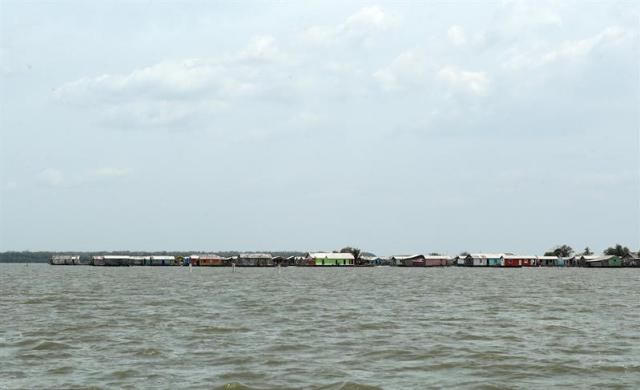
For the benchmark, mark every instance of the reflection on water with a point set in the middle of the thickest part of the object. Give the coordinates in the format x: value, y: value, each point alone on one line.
x: 390, y: 328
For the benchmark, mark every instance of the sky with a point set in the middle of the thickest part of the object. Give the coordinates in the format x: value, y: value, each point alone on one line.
x: 398, y: 128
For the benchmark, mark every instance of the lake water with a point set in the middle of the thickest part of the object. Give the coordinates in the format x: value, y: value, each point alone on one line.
x: 264, y: 328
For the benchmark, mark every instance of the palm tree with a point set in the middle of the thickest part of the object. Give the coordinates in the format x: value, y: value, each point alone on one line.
x: 354, y: 251
x: 617, y: 250
x: 560, y: 251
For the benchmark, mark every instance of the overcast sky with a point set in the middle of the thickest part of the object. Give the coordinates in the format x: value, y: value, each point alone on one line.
x: 397, y: 128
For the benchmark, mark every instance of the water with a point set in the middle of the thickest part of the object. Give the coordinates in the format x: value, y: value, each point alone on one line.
x: 391, y: 328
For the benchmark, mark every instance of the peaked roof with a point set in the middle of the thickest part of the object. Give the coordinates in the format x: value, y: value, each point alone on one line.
x: 408, y: 257
x: 487, y: 255
x: 210, y: 256
x: 255, y: 256
x: 331, y: 255
x: 600, y: 258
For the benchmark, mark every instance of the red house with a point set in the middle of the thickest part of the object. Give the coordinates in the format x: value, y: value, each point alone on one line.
x: 519, y: 261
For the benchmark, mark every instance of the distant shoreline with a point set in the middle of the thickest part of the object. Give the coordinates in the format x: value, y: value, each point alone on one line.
x: 347, y: 257
x: 44, y: 256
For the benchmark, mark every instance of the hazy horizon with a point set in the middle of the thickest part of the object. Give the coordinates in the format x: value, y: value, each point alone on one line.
x: 396, y: 128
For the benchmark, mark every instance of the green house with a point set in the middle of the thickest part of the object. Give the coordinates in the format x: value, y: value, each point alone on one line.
x: 604, y: 261
x: 330, y: 259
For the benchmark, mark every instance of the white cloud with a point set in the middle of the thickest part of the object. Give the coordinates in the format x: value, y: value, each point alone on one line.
x: 108, y: 172
x: 477, y: 83
x: 357, y: 26
x: 411, y: 69
x: 456, y: 35
x: 372, y: 16
x: 321, y: 34
x: 407, y: 69
x: 171, y: 92
x: 158, y: 112
x: 340, y: 67
x: 542, y: 54
x: 170, y: 79
x: 261, y: 48
x: 304, y: 119
x: 523, y: 14
x: 50, y: 176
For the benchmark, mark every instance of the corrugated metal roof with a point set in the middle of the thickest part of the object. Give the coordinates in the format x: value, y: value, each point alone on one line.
x: 487, y: 255
x: 408, y: 257
x: 438, y: 257
x: 207, y: 257
x: 331, y: 255
x: 524, y: 257
x: 600, y: 258
x: 254, y: 256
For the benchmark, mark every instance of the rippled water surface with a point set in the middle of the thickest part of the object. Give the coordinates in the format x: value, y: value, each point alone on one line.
x: 265, y: 328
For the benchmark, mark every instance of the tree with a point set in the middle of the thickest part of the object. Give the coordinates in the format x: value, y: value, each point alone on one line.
x: 617, y: 250
x: 354, y: 251
x: 560, y: 251
x: 464, y: 254
x: 587, y: 252
x: 434, y: 254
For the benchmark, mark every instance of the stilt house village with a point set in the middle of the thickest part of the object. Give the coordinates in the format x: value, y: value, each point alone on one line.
x: 353, y: 258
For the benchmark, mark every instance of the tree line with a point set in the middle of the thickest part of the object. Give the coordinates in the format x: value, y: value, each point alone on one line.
x: 567, y: 251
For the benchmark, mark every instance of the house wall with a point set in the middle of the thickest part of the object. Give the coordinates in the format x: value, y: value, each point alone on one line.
x: 615, y: 262
x: 210, y: 262
x: 330, y: 262
x: 246, y: 262
x: 612, y: 262
x: 435, y: 262
x: 479, y: 262
x: 511, y: 263
x: 65, y: 260
x: 161, y: 262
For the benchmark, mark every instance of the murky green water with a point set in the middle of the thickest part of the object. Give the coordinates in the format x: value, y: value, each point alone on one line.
x: 393, y: 328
